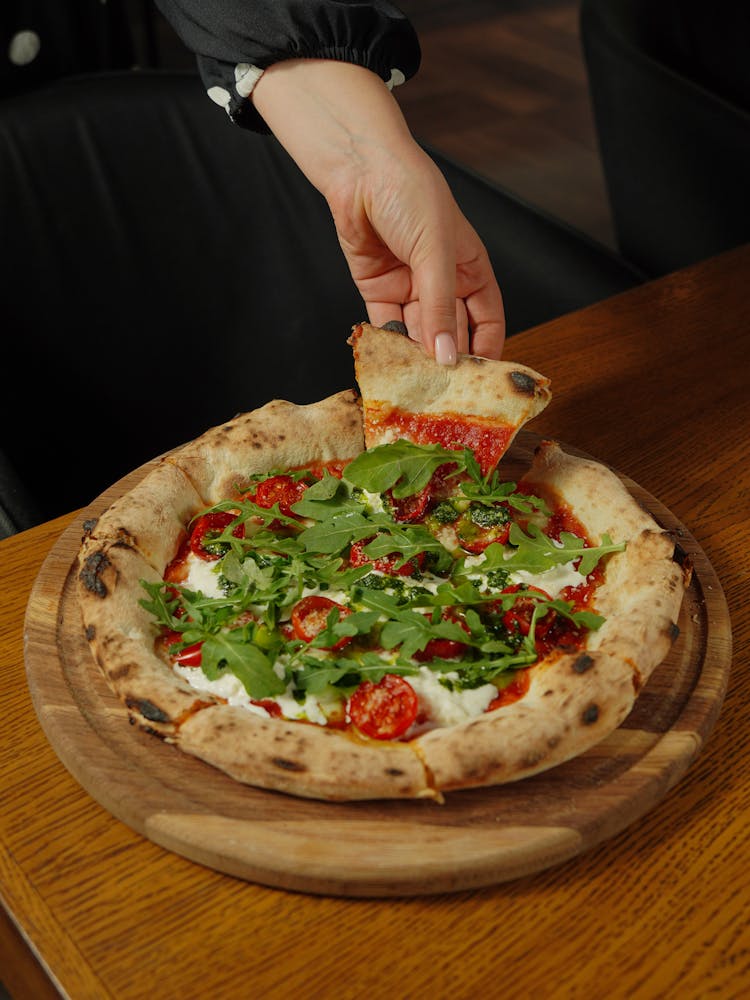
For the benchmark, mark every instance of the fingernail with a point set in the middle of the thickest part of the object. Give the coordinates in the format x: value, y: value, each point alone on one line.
x: 445, y: 349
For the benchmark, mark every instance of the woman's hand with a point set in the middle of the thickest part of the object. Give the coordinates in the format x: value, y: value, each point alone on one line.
x: 412, y: 254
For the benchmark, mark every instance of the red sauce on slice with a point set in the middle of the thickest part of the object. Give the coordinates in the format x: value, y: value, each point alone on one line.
x: 488, y: 441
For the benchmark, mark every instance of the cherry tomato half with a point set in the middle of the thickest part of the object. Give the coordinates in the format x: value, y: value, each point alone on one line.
x: 310, y: 615
x: 408, y: 509
x: 384, y: 711
x: 177, y: 569
x: 519, y: 615
x: 476, y: 539
x: 207, y: 528
x: 190, y: 656
x: 283, y: 490
x: 443, y: 649
x: 385, y: 564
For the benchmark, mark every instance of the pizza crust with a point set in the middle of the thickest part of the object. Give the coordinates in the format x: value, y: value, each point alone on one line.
x: 303, y: 759
x: 150, y: 518
x: 121, y: 635
x: 279, y: 435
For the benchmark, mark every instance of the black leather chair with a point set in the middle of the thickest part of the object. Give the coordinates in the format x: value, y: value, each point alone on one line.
x: 670, y: 89
x: 165, y: 270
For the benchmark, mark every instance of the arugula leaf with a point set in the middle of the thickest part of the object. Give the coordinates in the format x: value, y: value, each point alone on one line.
x: 409, y: 541
x: 402, y: 466
x: 325, y: 498
x: 336, y: 533
x: 231, y: 651
x: 491, y: 489
x: 357, y: 623
x: 590, y: 557
x: 162, y: 605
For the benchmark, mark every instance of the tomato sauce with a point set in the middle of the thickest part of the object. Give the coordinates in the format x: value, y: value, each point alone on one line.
x: 488, y: 441
x: 511, y: 692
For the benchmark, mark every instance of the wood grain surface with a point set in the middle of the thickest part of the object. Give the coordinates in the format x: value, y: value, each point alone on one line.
x: 476, y: 838
x: 656, y: 383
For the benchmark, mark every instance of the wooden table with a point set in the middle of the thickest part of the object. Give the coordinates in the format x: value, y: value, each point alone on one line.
x: 655, y: 382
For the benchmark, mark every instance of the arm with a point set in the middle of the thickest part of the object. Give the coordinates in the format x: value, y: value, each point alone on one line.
x: 412, y: 254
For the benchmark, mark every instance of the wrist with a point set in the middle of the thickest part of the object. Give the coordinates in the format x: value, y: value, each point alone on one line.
x: 331, y: 117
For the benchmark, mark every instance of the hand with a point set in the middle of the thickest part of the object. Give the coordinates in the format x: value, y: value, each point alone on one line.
x: 412, y: 254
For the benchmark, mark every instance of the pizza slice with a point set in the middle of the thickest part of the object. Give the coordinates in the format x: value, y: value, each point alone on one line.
x: 479, y: 404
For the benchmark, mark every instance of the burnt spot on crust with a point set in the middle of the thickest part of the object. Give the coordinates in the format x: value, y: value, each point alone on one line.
x: 147, y: 709
x: 89, y: 524
x: 119, y: 672
x: 125, y: 539
x: 287, y: 765
x: 679, y: 555
x: 394, y: 772
x: 91, y: 573
x: 583, y: 663
x: 523, y: 383
x: 153, y: 732
x: 90, y: 633
x: 396, y: 326
x: 674, y: 631
x: 590, y: 715
x: 533, y: 759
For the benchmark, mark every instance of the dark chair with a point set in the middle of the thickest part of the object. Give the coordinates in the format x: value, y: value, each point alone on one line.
x: 670, y: 88
x: 165, y: 270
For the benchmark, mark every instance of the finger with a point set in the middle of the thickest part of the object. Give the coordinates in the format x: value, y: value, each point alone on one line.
x: 462, y: 327
x: 478, y: 287
x: 486, y: 317
x: 380, y: 313
x: 436, y: 281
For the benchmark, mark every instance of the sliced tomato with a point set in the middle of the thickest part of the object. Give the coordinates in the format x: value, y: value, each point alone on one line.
x: 444, y: 649
x: 177, y: 570
x: 518, y: 616
x: 207, y: 529
x: 190, y: 656
x: 409, y: 509
x: 272, y: 707
x: 475, y: 539
x: 282, y: 490
x: 310, y: 616
x: 551, y: 630
x: 385, y: 564
x: 383, y: 711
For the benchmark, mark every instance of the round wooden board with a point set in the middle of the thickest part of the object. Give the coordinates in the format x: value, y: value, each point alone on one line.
x: 476, y: 838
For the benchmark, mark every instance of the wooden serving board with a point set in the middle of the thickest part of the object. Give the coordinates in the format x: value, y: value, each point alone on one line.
x: 476, y: 838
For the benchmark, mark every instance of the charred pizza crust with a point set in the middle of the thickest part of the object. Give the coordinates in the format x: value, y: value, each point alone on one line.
x: 574, y: 701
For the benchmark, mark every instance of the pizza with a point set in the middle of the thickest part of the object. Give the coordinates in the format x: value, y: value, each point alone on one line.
x: 350, y: 600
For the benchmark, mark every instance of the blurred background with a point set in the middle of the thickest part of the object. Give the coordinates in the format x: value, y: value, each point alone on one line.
x: 502, y: 87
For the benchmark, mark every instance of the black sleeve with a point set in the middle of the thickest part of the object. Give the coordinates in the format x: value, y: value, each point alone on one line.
x: 235, y: 40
